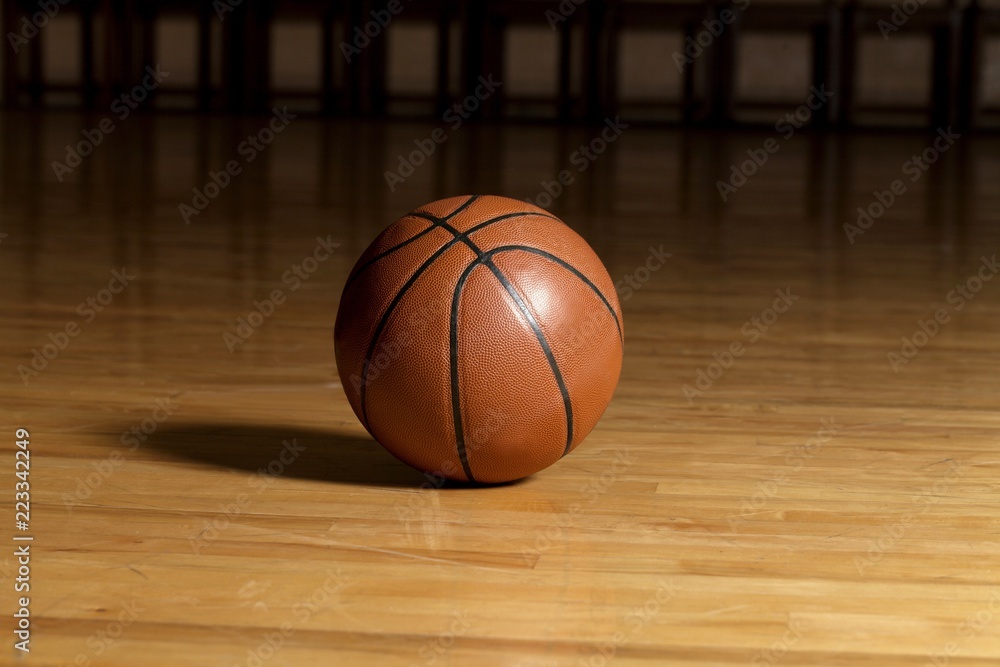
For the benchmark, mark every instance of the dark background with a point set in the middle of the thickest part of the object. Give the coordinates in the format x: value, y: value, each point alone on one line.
x: 563, y: 61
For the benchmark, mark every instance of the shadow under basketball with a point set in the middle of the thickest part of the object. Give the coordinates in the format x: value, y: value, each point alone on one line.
x: 292, y: 452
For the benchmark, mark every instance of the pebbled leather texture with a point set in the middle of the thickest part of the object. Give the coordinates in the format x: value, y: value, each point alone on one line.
x: 479, y: 339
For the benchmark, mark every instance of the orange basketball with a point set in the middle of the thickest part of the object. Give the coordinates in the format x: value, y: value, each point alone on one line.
x: 479, y: 339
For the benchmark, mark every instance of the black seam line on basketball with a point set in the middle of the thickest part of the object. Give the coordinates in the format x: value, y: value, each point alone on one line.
x: 456, y: 401
x: 540, y: 335
x: 477, y: 227
x: 459, y: 209
x: 566, y: 265
x: 467, y: 204
x: 516, y: 214
x: 435, y: 222
x: 464, y: 238
x: 385, y: 319
x: 406, y: 286
x: 434, y: 225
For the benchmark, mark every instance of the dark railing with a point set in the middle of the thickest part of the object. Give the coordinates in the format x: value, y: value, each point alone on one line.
x: 117, y: 42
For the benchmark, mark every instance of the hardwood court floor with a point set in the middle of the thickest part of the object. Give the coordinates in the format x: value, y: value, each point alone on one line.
x: 807, y: 505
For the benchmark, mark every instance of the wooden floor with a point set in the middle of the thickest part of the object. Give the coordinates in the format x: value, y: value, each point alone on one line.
x: 811, y: 500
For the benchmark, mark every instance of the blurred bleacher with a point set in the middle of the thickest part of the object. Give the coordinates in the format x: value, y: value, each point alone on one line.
x: 890, y: 63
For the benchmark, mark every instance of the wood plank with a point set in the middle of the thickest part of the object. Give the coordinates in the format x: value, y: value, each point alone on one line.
x: 811, y: 506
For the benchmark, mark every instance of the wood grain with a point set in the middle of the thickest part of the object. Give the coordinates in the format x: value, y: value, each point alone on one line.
x: 811, y: 506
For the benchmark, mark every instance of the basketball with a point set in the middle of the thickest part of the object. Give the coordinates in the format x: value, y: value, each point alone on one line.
x: 479, y: 339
